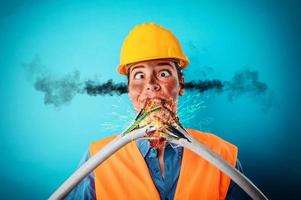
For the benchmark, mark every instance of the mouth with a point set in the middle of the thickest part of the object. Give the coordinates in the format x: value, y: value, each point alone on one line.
x: 159, y: 101
x: 160, y: 118
x: 152, y: 99
x: 157, y: 113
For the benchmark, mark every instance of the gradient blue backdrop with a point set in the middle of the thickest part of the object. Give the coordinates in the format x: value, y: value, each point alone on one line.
x: 41, y: 145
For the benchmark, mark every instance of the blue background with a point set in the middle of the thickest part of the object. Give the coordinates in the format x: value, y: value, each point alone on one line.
x: 41, y: 145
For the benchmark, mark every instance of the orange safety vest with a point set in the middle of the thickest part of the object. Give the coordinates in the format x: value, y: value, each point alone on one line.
x: 125, y: 174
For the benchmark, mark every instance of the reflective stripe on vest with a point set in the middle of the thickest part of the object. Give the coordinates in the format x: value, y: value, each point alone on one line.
x: 125, y: 174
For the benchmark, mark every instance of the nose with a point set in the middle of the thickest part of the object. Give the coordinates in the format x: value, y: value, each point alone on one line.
x: 152, y: 85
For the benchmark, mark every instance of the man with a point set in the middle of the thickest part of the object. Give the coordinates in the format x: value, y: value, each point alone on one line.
x: 152, y: 59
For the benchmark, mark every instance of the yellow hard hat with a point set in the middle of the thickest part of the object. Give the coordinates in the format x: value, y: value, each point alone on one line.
x: 150, y: 41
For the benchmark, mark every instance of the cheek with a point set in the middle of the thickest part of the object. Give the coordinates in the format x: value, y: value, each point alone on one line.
x: 134, y: 92
x: 172, y: 88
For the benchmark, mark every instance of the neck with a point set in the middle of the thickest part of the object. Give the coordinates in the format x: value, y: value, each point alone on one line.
x: 158, y: 143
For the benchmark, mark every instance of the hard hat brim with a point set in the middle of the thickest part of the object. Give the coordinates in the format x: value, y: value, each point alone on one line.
x: 123, y: 68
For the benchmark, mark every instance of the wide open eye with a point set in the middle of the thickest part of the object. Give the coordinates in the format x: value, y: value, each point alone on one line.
x: 164, y: 73
x: 139, y: 75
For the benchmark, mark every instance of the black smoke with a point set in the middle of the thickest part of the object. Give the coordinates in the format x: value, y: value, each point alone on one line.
x: 61, y: 90
x: 202, y: 86
x: 57, y: 90
x: 245, y: 82
x: 109, y: 88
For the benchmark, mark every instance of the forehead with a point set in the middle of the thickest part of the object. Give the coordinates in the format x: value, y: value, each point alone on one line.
x: 153, y: 63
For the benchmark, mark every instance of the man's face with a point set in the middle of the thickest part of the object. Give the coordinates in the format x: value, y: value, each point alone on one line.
x: 154, y: 79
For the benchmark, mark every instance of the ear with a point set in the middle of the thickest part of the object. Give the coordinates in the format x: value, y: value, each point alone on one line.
x: 182, y: 86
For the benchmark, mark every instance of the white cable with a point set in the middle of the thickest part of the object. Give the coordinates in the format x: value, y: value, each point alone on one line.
x: 120, y: 141
x: 213, y: 158
x: 97, y: 159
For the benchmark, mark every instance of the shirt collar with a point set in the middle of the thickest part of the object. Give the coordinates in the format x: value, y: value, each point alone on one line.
x: 144, y: 147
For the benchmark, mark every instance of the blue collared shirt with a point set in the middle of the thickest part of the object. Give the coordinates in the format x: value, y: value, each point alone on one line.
x: 166, y: 185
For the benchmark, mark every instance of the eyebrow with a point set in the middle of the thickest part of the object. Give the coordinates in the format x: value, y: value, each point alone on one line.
x: 159, y: 64
x: 164, y: 63
x: 138, y: 66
